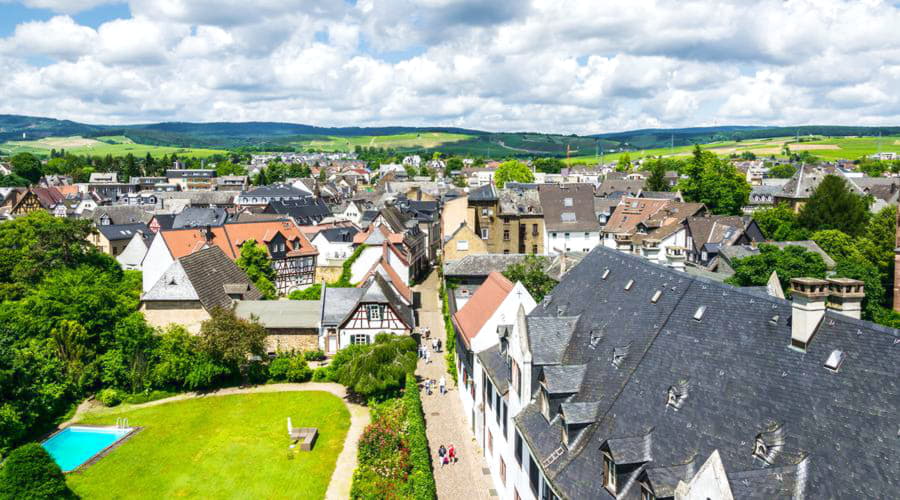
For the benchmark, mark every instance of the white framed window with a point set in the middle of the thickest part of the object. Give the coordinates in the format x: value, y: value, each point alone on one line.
x: 609, y: 473
x: 359, y: 339
x: 485, y: 233
x: 567, y: 202
x: 484, y: 212
x: 374, y: 311
x: 462, y: 245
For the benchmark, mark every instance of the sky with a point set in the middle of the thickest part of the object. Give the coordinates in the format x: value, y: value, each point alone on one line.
x: 555, y: 66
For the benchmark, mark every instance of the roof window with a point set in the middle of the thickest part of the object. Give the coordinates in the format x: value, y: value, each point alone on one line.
x: 629, y: 284
x: 605, y: 274
x: 835, y: 359
x: 656, y: 297
x: 699, y: 314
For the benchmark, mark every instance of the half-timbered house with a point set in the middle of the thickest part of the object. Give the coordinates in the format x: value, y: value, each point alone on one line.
x: 357, y: 315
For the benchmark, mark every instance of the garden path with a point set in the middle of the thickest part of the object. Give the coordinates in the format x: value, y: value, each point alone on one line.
x: 342, y: 477
x: 444, y: 417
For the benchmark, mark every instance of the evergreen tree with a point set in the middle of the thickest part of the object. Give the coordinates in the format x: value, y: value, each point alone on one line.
x: 834, y: 206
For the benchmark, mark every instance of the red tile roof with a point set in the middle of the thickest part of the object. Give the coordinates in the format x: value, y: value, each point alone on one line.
x: 230, y: 237
x: 482, y: 305
x: 395, y: 279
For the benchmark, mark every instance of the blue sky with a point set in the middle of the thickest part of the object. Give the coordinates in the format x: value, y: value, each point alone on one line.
x: 562, y: 66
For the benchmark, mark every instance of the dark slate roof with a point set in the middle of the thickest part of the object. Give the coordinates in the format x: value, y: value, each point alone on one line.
x: 549, y: 336
x: 184, y: 173
x: 484, y: 193
x: 495, y: 366
x: 275, y: 190
x: 118, y: 232
x: 580, y: 413
x: 210, y: 270
x: 305, y: 211
x: 834, y: 433
x: 336, y: 234
x: 564, y: 379
x: 119, y: 214
x: 481, y: 265
x: 165, y: 221
x: 199, y: 217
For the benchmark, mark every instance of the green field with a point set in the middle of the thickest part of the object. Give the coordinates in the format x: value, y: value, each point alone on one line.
x: 100, y: 146
x: 424, y: 140
x: 836, y: 148
x: 219, y: 447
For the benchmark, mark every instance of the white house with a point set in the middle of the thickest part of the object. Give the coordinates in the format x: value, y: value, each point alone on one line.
x: 335, y: 243
x: 488, y: 315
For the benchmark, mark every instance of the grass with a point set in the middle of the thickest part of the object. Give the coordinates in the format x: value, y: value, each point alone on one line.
x: 219, y: 447
x: 422, y: 140
x: 101, y: 146
x: 843, y: 148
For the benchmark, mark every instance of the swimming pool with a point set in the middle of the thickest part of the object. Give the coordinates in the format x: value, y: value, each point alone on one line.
x: 75, y: 445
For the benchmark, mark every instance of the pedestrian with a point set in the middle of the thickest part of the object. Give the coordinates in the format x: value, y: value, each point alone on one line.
x: 451, y: 454
x: 439, y: 345
x: 428, y: 387
x: 442, y: 454
x: 427, y: 356
x: 443, y: 384
x: 446, y: 460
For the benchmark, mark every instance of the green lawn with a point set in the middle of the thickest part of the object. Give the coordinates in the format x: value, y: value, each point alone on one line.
x: 219, y: 447
x: 422, y: 140
x: 107, y: 145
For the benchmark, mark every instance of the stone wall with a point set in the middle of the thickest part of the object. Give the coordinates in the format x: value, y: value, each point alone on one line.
x: 189, y: 314
x: 286, y: 340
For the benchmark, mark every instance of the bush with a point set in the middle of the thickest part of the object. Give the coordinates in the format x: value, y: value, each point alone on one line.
x: 109, y: 397
x: 314, y: 355
x: 291, y: 368
x: 313, y: 292
x: 30, y: 473
x: 320, y: 374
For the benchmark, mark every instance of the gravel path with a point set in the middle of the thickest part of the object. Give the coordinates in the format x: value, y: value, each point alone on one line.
x: 341, y: 478
x: 444, y: 417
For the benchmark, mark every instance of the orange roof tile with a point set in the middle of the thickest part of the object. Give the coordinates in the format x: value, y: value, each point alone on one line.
x: 632, y: 211
x: 395, y: 279
x: 230, y: 237
x: 482, y: 305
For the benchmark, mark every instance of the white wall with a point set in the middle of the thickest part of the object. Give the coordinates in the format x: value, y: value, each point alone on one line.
x: 555, y: 241
x: 367, y: 258
x: 157, y: 260
x: 332, y: 249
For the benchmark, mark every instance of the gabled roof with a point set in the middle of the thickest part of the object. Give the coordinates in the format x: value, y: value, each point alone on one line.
x: 119, y: 214
x: 203, y: 276
x: 568, y: 207
x: 631, y: 211
x: 229, y: 237
x: 306, y: 210
x: 484, y: 302
x: 390, y: 274
x: 120, y: 232
x: 199, y: 217
x: 281, y: 314
x: 481, y: 265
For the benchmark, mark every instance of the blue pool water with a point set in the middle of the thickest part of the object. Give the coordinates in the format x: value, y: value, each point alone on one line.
x: 75, y: 445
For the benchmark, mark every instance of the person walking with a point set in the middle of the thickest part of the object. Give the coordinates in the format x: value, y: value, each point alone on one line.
x: 442, y: 454
x: 443, y: 385
x: 427, y: 356
x: 451, y: 454
x: 439, y: 345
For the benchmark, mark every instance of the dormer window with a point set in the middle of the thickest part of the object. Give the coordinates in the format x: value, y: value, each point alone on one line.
x: 605, y: 274
x: 646, y: 492
x: 761, y: 450
x: 629, y: 284
x: 609, y: 473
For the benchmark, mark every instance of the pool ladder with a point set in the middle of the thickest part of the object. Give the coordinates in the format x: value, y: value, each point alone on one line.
x: 121, y: 423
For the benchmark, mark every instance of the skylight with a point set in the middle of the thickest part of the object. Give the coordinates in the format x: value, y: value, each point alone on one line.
x: 605, y: 274
x: 699, y: 314
x: 656, y: 296
x: 629, y: 284
x: 835, y: 359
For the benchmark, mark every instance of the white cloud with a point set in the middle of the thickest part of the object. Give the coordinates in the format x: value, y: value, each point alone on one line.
x: 547, y: 65
x: 68, y: 6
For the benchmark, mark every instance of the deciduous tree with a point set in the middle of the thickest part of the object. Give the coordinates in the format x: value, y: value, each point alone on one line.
x: 512, y: 171
x: 531, y: 272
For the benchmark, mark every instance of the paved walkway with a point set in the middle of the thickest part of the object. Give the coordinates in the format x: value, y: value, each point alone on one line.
x: 342, y: 477
x: 444, y: 417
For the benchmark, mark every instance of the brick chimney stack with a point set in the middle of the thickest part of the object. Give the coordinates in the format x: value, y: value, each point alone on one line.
x: 897, y: 264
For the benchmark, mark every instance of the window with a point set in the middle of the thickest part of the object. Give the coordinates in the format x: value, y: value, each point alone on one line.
x: 484, y: 234
x: 506, y: 252
x: 534, y: 249
x: 506, y: 235
x: 462, y: 245
x: 490, y: 442
x: 502, y: 472
x: 567, y: 202
x: 534, y: 229
x: 609, y: 473
x: 534, y: 475
x: 567, y: 235
x: 374, y: 312
x: 587, y: 235
x: 359, y: 339
x: 518, y: 448
x: 484, y: 212
x: 553, y: 235
x: 515, y: 377
x: 646, y: 492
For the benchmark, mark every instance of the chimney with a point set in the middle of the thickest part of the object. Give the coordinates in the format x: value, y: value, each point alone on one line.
x: 675, y: 256
x: 845, y: 296
x: 808, y: 307
x: 208, y: 234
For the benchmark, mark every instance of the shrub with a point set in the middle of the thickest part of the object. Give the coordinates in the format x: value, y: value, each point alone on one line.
x: 291, y: 368
x: 320, y: 374
x: 314, y: 355
x: 421, y: 478
x: 313, y: 292
x: 30, y: 473
x: 109, y: 397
